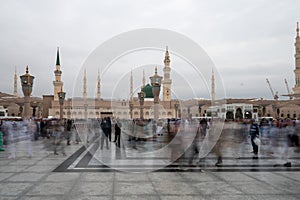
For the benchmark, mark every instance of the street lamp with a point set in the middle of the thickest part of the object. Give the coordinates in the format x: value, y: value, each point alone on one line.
x: 131, y: 108
x: 156, y: 83
x: 61, y: 99
x: 141, y: 98
x: 176, y: 109
x: 27, y: 84
x: 85, y: 111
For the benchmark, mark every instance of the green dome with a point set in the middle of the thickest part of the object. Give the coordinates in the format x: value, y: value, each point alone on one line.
x: 148, y: 91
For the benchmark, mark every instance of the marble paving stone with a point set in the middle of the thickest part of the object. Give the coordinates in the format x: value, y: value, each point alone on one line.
x: 162, y: 176
x: 38, y: 169
x: 42, y: 197
x: 92, y: 188
x: 13, y: 188
x: 288, y: 186
x: 51, y: 189
x: 174, y: 187
x: 218, y: 187
x: 9, y: 198
x: 231, y: 197
x: 233, y: 176
x: 62, y: 177
x: 25, y: 177
x: 136, y: 197
x: 23, y: 162
x: 5, y: 176
x: 88, y: 197
x: 292, y: 175
x: 4, y: 162
x: 198, y: 177
x: 49, y: 162
x: 256, y: 188
x: 267, y: 176
x: 133, y: 188
x: 276, y: 197
x: 13, y: 168
x: 184, y: 197
x: 97, y: 177
x: 131, y: 177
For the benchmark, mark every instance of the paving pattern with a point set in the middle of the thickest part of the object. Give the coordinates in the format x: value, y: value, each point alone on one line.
x: 85, y: 174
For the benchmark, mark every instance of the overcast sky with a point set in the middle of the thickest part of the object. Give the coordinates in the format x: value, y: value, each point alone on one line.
x: 248, y: 41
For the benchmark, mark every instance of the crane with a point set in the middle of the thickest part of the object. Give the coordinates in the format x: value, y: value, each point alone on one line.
x: 274, y: 95
x: 288, y: 89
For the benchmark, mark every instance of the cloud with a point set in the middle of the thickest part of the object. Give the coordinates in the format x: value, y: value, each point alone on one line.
x: 248, y: 40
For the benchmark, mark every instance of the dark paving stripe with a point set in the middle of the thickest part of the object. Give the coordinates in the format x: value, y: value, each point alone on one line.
x: 64, y: 166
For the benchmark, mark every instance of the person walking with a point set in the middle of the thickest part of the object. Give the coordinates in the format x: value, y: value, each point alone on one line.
x: 118, y: 126
x: 254, y: 132
x: 104, y: 136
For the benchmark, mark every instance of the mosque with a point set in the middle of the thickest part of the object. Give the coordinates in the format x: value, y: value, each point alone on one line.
x: 142, y: 105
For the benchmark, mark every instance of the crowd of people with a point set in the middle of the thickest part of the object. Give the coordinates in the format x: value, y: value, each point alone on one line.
x: 277, y: 136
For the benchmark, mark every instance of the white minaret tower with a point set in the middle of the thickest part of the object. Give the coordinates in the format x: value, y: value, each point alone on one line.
x: 57, y: 83
x: 297, y: 64
x: 144, y: 79
x: 98, y: 87
x: 15, y: 84
x: 166, y: 80
x: 213, y: 94
x: 84, y: 85
x: 131, y: 87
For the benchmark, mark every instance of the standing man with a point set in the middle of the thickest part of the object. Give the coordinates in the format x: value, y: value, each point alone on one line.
x: 118, y: 133
x: 254, y: 132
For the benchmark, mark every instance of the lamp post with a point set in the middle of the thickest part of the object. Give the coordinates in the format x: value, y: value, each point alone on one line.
x: 85, y: 111
x: 131, y: 109
x: 61, y: 99
x: 27, y: 84
x: 156, y: 83
x: 141, y: 98
x: 176, y: 109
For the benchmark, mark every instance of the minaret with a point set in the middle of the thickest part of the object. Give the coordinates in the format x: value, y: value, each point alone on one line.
x: 213, y: 94
x: 297, y: 64
x: 98, y: 87
x: 166, y: 80
x: 15, y: 84
x: 84, y: 86
x: 144, y: 79
x: 57, y: 83
x: 131, y: 87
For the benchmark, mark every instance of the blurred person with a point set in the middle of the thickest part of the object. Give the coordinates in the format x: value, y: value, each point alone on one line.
x: 59, y: 138
x: 68, y: 131
x: 194, y: 149
x: 118, y: 126
x: 104, y: 136
x: 12, y: 132
x: 254, y: 132
x: 292, y: 141
x: 30, y: 129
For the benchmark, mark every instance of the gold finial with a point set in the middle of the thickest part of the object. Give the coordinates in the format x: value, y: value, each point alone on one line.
x: 27, y: 70
x: 156, y: 70
x: 166, y: 48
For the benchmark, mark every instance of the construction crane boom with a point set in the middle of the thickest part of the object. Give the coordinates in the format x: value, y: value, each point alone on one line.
x: 270, y: 87
x: 288, y: 89
x: 275, y: 96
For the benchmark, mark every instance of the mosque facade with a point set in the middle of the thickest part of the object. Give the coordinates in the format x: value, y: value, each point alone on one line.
x: 85, y: 107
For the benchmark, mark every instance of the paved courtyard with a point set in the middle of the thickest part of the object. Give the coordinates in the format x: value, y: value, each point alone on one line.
x: 88, y: 173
